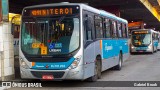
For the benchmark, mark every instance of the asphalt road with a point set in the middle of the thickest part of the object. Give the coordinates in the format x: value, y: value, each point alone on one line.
x: 143, y: 67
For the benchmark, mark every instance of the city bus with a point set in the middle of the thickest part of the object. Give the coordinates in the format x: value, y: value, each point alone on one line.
x: 70, y: 41
x: 144, y: 40
x: 158, y: 48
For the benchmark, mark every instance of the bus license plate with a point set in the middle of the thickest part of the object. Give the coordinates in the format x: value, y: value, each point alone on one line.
x: 140, y: 51
x: 47, y: 77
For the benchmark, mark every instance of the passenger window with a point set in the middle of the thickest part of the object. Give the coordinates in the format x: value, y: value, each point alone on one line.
x: 119, y: 26
x: 114, y: 33
x: 98, y: 27
x: 107, y: 26
x: 126, y: 30
x: 88, y: 25
x: 156, y: 36
x: 123, y: 30
x: 153, y: 36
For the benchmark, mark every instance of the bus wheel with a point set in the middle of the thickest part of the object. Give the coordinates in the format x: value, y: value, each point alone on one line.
x: 119, y: 66
x: 131, y: 53
x: 156, y: 49
x: 99, y: 68
x: 97, y: 71
x: 152, y: 50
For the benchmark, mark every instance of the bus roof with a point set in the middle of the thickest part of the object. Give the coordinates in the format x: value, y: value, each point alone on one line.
x: 84, y: 6
x: 53, y: 4
x: 103, y: 13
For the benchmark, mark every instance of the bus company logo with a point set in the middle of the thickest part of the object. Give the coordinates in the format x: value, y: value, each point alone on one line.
x: 107, y: 47
x: 18, y: 84
x: 6, y: 84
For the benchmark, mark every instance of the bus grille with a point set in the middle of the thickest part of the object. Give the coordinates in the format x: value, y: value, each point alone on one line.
x: 39, y: 74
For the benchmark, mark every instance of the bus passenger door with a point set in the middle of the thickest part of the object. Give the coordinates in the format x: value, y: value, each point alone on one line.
x: 89, y: 47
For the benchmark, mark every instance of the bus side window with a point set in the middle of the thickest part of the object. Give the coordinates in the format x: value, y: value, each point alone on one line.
x: 124, y: 31
x: 119, y: 28
x: 157, y: 37
x: 153, y: 36
x: 114, y: 31
x: 88, y: 27
x: 98, y: 27
x: 107, y: 28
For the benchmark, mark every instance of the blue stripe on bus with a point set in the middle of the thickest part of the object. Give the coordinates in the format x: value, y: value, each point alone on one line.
x: 111, y: 48
x: 53, y: 66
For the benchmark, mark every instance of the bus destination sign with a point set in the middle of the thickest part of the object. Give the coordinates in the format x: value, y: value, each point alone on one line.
x: 140, y: 32
x: 52, y: 11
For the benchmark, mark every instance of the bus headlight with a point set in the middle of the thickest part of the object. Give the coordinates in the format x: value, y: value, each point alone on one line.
x: 132, y: 47
x: 23, y: 64
x: 150, y: 47
x: 75, y: 62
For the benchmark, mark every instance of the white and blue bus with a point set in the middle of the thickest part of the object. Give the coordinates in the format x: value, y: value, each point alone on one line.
x: 70, y: 41
x: 144, y: 40
x: 158, y: 41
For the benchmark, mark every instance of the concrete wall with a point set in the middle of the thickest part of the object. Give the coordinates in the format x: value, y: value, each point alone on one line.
x: 6, y: 52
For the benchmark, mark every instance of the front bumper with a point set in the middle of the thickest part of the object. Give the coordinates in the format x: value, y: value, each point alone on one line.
x: 140, y: 49
x: 76, y: 73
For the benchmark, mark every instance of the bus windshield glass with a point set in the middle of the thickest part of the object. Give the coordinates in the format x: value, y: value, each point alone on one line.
x: 50, y: 36
x: 141, y: 39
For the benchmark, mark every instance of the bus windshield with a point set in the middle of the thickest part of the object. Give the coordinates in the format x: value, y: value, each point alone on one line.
x: 141, y: 39
x: 50, y: 36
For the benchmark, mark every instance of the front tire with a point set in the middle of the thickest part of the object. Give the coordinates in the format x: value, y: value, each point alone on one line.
x: 152, y: 50
x: 156, y: 49
x: 131, y: 53
x: 97, y: 72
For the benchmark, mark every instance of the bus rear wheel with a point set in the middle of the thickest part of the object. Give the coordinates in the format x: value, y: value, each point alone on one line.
x: 119, y: 66
x: 97, y: 71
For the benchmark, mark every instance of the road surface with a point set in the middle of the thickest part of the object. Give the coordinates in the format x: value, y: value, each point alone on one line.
x: 143, y: 67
